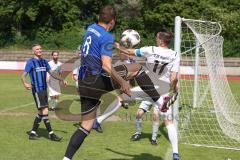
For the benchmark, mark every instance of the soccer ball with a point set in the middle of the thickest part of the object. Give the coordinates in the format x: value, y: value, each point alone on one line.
x: 130, y: 38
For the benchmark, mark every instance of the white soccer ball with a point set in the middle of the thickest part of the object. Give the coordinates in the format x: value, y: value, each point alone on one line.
x: 130, y: 38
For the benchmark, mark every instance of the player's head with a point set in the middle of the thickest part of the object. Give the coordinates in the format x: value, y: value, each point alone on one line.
x: 55, y: 55
x: 37, y: 50
x: 164, y: 37
x: 107, y: 16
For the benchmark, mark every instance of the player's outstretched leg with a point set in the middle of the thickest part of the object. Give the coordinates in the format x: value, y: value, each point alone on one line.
x: 143, y: 80
x: 137, y: 72
x: 131, y: 71
x: 136, y: 94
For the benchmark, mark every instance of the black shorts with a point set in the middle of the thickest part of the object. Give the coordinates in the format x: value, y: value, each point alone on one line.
x: 41, y: 99
x: 91, y: 88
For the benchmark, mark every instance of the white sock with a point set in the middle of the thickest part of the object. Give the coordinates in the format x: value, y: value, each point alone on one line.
x: 52, y: 103
x: 55, y: 103
x: 138, y: 124
x: 155, y: 126
x: 172, y: 135
x: 159, y: 101
x: 65, y: 158
x: 112, y: 108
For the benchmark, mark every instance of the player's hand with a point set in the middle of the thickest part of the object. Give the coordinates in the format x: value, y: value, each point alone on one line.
x: 27, y: 86
x: 168, y: 101
x: 116, y: 45
x: 125, y: 87
x: 64, y: 83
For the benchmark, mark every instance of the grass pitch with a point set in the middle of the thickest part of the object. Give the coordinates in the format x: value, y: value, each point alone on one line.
x: 17, y: 111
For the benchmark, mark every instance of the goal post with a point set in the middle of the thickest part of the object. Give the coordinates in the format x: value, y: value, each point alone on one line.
x: 208, y: 114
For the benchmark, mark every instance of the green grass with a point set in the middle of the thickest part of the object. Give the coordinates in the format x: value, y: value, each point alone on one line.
x: 16, y: 120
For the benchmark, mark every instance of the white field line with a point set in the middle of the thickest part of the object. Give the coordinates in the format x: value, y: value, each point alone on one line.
x: 13, y: 108
x: 25, y: 105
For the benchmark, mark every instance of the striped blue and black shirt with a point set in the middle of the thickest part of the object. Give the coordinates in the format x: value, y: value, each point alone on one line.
x: 37, y: 69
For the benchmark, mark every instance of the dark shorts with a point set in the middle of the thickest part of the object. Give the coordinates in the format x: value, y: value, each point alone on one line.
x: 41, y: 99
x: 91, y: 88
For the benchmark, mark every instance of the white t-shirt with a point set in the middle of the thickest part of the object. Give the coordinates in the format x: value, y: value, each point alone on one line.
x: 53, y: 84
x: 55, y: 67
x: 160, y: 62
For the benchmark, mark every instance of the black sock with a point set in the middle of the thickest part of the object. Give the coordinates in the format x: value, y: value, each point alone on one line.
x: 36, y: 122
x: 76, y: 141
x: 146, y: 84
x: 47, y: 123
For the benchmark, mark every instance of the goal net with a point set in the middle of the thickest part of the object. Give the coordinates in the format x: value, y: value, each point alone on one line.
x: 209, y: 114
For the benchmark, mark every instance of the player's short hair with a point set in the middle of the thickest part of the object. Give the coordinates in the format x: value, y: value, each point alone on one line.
x: 165, y: 36
x: 107, y: 13
x: 55, y: 52
x: 36, y: 44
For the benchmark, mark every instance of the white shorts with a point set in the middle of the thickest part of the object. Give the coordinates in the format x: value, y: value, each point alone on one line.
x: 147, y: 105
x: 54, y: 88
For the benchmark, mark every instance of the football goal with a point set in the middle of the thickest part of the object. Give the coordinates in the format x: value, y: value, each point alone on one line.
x: 209, y: 114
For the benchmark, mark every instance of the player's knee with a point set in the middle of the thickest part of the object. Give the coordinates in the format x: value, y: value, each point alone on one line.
x: 139, y: 113
x: 133, y: 67
x: 87, y: 125
x: 168, y: 122
x: 134, y: 70
x: 45, y: 111
x: 140, y: 71
x: 138, y: 116
x: 155, y: 117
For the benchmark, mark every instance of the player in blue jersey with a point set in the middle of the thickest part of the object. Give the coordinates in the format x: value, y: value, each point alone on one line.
x: 37, y: 68
x: 97, y: 76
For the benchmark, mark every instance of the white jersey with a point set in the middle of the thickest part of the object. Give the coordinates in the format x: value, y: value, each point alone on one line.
x: 53, y: 84
x: 55, y: 67
x: 160, y: 62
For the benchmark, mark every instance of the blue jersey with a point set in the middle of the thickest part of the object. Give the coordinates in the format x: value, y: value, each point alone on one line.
x: 97, y: 42
x: 37, y: 69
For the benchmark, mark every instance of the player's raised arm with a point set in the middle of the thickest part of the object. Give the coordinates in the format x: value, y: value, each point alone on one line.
x: 124, y: 50
x: 24, y: 81
x: 173, y: 82
x: 174, y: 74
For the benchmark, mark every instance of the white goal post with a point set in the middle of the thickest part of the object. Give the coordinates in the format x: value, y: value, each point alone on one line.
x: 208, y: 114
